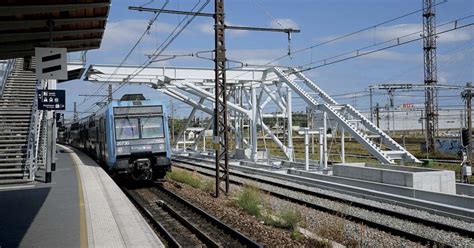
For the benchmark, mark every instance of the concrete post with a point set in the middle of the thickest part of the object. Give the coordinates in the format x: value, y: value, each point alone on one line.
x: 184, y: 141
x: 321, y: 150
x: 253, y: 123
x: 290, y: 124
x: 343, y: 148
x: 325, y: 141
x: 204, y: 141
x: 306, y: 148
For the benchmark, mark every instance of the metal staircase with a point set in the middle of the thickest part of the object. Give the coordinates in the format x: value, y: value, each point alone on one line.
x: 385, y: 149
x: 16, y: 104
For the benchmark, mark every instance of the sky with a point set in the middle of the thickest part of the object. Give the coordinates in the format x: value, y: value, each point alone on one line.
x: 319, y: 21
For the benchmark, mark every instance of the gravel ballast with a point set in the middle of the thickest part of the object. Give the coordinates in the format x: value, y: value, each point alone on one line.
x: 355, y: 231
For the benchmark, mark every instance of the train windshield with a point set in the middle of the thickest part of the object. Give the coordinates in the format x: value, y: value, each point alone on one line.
x: 127, y: 128
x: 152, y: 127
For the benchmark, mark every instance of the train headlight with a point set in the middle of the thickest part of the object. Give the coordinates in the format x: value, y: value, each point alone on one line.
x: 121, y: 150
x: 161, y: 147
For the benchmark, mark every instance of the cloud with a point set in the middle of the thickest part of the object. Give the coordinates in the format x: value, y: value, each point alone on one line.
x: 126, y: 32
x: 284, y: 23
x: 206, y: 28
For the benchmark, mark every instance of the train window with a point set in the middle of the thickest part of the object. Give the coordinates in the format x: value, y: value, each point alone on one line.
x: 151, y: 127
x: 127, y: 128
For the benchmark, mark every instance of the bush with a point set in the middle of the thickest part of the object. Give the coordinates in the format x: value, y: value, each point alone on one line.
x: 208, y: 186
x: 250, y: 199
x: 287, y: 219
x: 185, y: 177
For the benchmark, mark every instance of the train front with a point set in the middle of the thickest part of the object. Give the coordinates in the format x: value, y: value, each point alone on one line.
x: 142, y: 142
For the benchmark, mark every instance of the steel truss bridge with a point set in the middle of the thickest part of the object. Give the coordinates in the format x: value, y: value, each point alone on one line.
x: 253, y: 92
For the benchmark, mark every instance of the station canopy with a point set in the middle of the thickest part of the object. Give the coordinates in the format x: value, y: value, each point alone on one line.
x: 77, y: 25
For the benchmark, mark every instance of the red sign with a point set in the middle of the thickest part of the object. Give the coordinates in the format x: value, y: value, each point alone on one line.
x: 408, y: 106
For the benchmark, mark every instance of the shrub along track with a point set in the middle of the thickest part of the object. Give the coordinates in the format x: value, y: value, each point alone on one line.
x: 427, y: 233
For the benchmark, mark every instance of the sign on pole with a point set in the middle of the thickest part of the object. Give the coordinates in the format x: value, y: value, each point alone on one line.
x: 51, y: 63
x: 51, y: 99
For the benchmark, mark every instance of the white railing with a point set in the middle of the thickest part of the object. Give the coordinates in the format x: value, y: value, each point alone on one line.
x: 33, y: 136
x: 6, y: 68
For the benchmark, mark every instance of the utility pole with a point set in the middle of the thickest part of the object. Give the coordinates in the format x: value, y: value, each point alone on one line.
x: 221, y: 128
x: 371, y: 106
x: 467, y: 96
x: 109, y: 95
x: 466, y: 136
x: 430, y: 73
x: 377, y: 114
x: 220, y: 118
x: 172, y: 119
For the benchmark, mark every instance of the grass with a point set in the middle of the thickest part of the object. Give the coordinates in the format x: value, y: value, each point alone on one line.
x: 286, y: 218
x: 250, y: 200
x: 186, y: 177
x: 192, y: 179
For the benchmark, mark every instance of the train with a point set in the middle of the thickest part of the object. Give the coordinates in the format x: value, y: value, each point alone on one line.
x: 129, y: 137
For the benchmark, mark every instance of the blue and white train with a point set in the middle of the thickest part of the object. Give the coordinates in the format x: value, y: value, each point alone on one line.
x: 129, y: 137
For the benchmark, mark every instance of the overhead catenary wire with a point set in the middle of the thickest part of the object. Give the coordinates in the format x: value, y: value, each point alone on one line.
x: 339, y: 38
x: 149, y: 25
x: 357, y: 52
x: 162, y: 47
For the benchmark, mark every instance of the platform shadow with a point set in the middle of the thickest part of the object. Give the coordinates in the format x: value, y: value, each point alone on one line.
x: 18, y: 209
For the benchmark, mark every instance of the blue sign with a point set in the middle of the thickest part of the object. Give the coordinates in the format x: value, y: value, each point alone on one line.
x: 51, y: 99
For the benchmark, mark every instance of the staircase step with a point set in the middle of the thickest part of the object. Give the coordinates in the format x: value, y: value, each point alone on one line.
x: 3, y: 140
x: 14, y: 126
x: 2, y: 149
x: 5, y: 112
x: 11, y: 175
x: 12, y: 145
x: 12, y: 160
x: 6, y: 132
x: 17, y: 154
x: 15, y: 181
x: 9, y: 165
x: 10, y: 170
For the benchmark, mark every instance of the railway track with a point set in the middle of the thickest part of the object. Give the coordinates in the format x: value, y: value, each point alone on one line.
x: 181, y: 223
x: 414, y: 228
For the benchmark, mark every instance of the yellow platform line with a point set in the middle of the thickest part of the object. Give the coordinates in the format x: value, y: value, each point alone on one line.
x: 82, y: 212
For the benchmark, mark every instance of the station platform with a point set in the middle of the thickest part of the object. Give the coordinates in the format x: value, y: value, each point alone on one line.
x: 82, y: 207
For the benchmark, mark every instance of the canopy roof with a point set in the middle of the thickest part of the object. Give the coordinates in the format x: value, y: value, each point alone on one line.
x: 77, y: 25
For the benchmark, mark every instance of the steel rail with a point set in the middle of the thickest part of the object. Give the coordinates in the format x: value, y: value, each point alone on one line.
x: 163, y: 193
x: 394, y: 231
x: 200, y: 234
x: 140, y: 205
x: 242, y: 239
x: 358, y: 193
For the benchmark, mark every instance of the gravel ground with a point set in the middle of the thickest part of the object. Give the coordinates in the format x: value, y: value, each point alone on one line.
x: 442, y: 236
x: 322, y: 224
x: 224, y: 209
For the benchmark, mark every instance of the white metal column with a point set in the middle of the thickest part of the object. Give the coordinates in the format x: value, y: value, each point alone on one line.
x: 253, y: 123
x: 290, y: 124
x: 343, y: 148
x: 325, y: 137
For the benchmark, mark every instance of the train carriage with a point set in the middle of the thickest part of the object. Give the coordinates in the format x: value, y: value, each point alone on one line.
x: 129, y: 137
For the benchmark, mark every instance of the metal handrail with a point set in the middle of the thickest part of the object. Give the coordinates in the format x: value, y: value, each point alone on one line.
x: 31, y: 152
x: 6, y: 71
